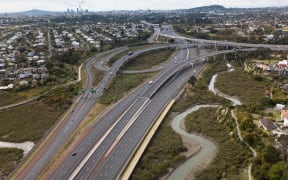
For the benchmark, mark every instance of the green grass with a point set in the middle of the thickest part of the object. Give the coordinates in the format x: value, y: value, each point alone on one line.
x: 11, y: 97
x: 199, y: 94
x: 148, y: 60
x: 231, y: 157
x: 8, y: 161
x: 124, y: 53
x: 264, y: 61
x: 241, y: 84
x: 98, y: 76
x: 163, y: 152
x: 27, y: 122
x: 121, y: 85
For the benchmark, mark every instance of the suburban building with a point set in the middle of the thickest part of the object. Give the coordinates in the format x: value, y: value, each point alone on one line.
x: 267, y: 124
x: 284, y: 116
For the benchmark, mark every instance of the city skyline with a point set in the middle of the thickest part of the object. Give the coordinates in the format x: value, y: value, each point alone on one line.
x: 106, y: 5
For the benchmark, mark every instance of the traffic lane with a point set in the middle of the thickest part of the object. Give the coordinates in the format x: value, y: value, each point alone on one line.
x: 63, y: 136
x: 130, y: 141
x: 58, y: 141
x: 112, y: 139
x: 115, y: 67
x: 99, y: 129
x: 67, y: 130
x: 226, y: 43
x: 157, y: 82
x: 104, y: 83
x: 152, y: 38
x: 171, y: 62
x: 165, y: 94
x: 100, y: 64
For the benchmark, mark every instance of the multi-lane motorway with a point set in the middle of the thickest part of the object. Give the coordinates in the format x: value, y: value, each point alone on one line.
x: 83, y: 104
x: 108, y: 151
x: 109, y: 144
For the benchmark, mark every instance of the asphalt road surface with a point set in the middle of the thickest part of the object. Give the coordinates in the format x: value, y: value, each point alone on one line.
x: 108, y: 138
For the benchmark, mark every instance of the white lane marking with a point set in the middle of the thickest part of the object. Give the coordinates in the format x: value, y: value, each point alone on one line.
x: 87, y: 157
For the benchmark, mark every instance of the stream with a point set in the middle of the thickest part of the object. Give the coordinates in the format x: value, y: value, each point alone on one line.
x: 207, y: 147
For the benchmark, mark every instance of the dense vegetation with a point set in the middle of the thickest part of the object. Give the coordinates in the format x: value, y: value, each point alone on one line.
x: 199, y: 93
x: 8, y: 160
x: 270, y: 162
x: 30, y: 121
x: 232, y: 156
x: 63, y: 67
x: 162, y: 153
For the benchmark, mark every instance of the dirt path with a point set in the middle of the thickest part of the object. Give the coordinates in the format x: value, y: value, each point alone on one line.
x: 25, y: 146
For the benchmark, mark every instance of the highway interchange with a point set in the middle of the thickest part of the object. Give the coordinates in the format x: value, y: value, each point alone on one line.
x: 109, y: 144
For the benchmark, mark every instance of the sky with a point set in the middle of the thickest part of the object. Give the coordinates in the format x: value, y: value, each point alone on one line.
x: 106, y: 5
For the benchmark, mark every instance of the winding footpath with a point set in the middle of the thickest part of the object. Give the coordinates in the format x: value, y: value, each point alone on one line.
x: 207, y: 147
x: 235, y: 103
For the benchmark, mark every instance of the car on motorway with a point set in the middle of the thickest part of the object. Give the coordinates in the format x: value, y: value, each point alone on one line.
x: 111, y: 73
x: 150, y: 82
x: 130, y: 53
x: 74, y: 154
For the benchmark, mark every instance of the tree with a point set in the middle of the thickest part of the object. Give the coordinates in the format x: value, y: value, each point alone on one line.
x: 270, y: 155
x: 192, y: 80
x: 276, y: 171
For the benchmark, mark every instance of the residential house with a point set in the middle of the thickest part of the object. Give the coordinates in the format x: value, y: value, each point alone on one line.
x: 284, y: 116
x: 267, y: 124
x: 283, y: 64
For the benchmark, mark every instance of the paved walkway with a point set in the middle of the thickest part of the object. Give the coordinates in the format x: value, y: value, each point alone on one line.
x: 235, y: 103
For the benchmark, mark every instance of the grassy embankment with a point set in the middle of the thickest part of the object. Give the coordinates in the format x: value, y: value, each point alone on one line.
x: 148, y: 60
x: 124, y: 53
x: 232, y: 83
x: 123, y: 83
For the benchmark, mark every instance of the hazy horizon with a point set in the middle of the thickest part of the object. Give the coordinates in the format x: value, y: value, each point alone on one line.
x: 108, y: 5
